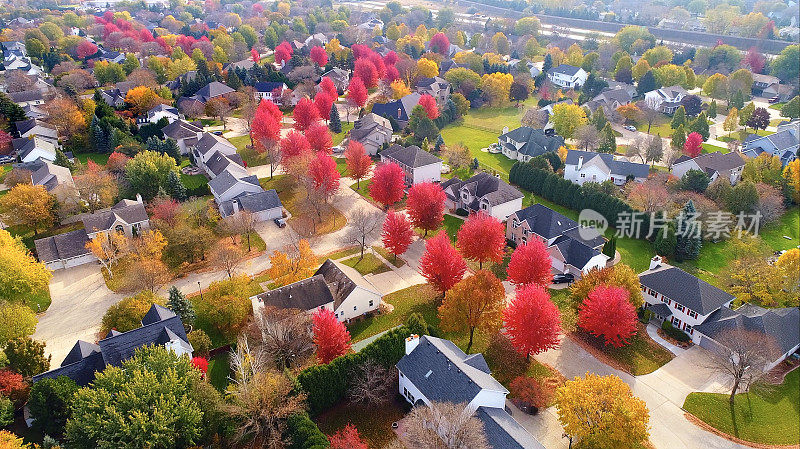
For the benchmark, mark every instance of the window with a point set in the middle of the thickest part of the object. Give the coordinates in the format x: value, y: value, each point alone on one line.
x: 680, y: 307
x: 355, y: 308
x: 515, y: 223
x: 484, y: 207
x: 119, y: 229
x: 583, y: 175
x: 371, y: 302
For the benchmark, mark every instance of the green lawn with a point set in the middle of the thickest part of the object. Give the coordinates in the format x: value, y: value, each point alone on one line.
x: 250, y: 157
x: 494, y: 119
x: 364, y: 191
x: 396, y: 261
x: 218, y: 370
x: 451, y: 225
x: 415, y: 299
x: 777, y: 106
x: 475, y: 139
x: 4, y: 169
x: 341, y: 166
x: 639, y: 357
x: 99, y: 159
x: 368, y: 265
x: 338, y: 138
x: 766, y: 415
x: 191, y: 181
x: 339, y: 254
x: 660, y: 126
x: 708, y: 148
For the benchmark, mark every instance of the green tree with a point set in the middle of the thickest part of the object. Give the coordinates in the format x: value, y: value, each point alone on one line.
x: 647, y: 83
x: 155, y: 399
x: 712, y: 109
x: 335, y: 122
x: 50, y: 402
x: 700, y: 126
x: 610, y: 247
x: 785, y: 66
x: 26, y: 356
x: 182, y: 307
x: 745, y: 113
x: 599, y: 118
x: 130, y: 64
x: 628, y: 35
x: 791, y: 109
x: 695, y: 180
x: 678, y: 138
x: 688, y: 239
x: 567, y: 118
x: 148, y: 171
x: 608, y: 142
x: 664, y: 244
x: 175, y: 187
x: 422, y: 126
x: 743, y: 197
x: 6, y: 412
x: 679, y: 118
x: 18, y: 321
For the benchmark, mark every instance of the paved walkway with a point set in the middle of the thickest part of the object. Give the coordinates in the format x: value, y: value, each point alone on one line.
x: 652, y: 331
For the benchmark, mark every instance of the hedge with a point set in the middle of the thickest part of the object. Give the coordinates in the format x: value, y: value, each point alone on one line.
x: 553, y: 187
x: 326, y: 385
x: 303, y: 433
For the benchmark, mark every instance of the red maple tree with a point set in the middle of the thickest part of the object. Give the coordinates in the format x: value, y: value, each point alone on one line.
x: 397, y: 233
x: 5, y: 143
x: 755, y: 60
x: 530, y: 264
x: 533, y: 322
x: 283, y: 52
x: 482, y: 238
x: 377, y: 62
x: 164, y: 209
x: 294, y: 145
x: 323, y: 174
x: 319, y: 137
x: 328, y: 86
x: 391, y: 74
x: 85, y: 49
x: 357, y: 92
x: 365, y: 71
x: 425, y: 205
x: 358, y: 162
x: 606, y: 312
x: 693, y: 145
x: 388, y: 181
x: 117, y: 161
x: 440, y: 44
x: 255, y: 56
x: 390, y: 58
x: 266, y: 129
x: 429, y: 104
x: 319, y: 55
x: 323, y: 101
x: 13, y: 385
x: 347, y: 438
x: 201, y: 364
x: 305, y: 114
x: 330, y: 336
x: 441, y: 265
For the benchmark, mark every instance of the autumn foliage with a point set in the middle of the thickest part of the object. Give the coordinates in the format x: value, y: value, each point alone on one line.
x: 283, y: 52
x: 429, y: 104
x: 608, y: 313
x: 319, y: 138
x: 327, y: 85
x: 288, y: 268
x: 13, y: 386
x: 693, y: 145
x: 530, y: 264
x: 323, y: 174
x: 533, y: 322
x: 294, y: 146
x: 357, y: 160
x: 440, y: 44
x: 201, y: 364
x: 441, y: 265
x: 365, y: 71
x: 397, y: 233
x: 474, y: 303
x: 305, y: 114
x: 482, y: 238
x: 347, y: 438
x: 266, y: 129
x: 330, y: 336
x: 387, y: 185
x: 425, y: 206
x: 323, y: 101
x: 319, y: 55
x: 357, y: 92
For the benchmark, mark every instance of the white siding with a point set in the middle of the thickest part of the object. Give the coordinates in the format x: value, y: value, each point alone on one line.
x: 681, y: 169
x: 428, y: 173
x: 488, y: 398
x: 236, y: 190
x: 503, y: 211
x: 407, y: 389
x: 358, y: 303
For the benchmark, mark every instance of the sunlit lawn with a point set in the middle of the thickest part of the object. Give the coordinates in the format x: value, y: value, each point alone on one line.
x: 475, y: 139
x: 218, y: 371
x: 293, y: 198
x: 99, y: 159
x: 396, y: 261
x: 368, y: 265
x: 709, y: 148
x: 415, y: 299
x: 338, y: 138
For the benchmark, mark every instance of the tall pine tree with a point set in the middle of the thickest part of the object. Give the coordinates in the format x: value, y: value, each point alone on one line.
x: 700, y: 126
x: 599, y: 118
x: 608, y: 142
x: 335, y: 122
x: 688, y: 240
x: 181, y: 306
x: 678, y: 118
x: 175, y: 187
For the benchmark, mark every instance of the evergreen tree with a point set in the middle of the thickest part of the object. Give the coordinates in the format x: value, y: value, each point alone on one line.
x: 175, y: 187
x: 599, y: 118
x: 335, y: 122
x: 712, y: 109
x: 181, y: 306
x: 61, y: 159
x: 678, y: 138
x: 700, y: 126
x: 234, y: 82
x: 437, y: 147
x: 610, y: 247
x: 737, y: 99
x: 647, y: 83
x: 679, y: 118
x: 664, y: 244
x: 687, y: 234
x: 548, y: 63
x: 608, y: 142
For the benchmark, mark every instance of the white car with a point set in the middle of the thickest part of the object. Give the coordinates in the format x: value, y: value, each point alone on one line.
x: 630, y: 127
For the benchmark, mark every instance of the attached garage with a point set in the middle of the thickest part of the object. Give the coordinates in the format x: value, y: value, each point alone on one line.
x: 64, y: 250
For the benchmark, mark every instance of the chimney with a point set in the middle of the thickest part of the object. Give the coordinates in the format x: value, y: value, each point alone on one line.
x: 139, y: 198
x: 235, y: 205
x: 580, y: 162
x: 505, y: 129
x: 655, y: 262
x: 412, y: 342
x: 399, y: 112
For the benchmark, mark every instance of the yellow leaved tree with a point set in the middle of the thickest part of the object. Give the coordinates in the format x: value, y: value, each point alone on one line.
x: 476, y: 302
x: 293, y: 267
x: 22, y: 276
x: 108, y: 248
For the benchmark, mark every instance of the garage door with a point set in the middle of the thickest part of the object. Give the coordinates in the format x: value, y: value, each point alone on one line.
x: 75, y: 261
x: 711, y: 345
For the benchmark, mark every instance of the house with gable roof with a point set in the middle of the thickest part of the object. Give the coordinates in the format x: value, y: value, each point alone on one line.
x: 210, y: 146
x: 482, y: 193
x: 35, y: 148
x: 436, y: 370
x: 36, y: 128
x: 226, y: 186
x: 525, y: 143
x: 666, y: 100
x: 64, y: 250
x: 340, y: 78
x: 417, y: 164
x: 398, y: 110
x: 184, y: 133
x: 372, y: 131
x: 127, y: 216
x: 437, y: 87
x: 715, y: 165
x: 567, y: 76
x: 784, y: 143
x: 211, y: 90
x: 588, y: 166
x: 336, y: 287
x: 160, y: 326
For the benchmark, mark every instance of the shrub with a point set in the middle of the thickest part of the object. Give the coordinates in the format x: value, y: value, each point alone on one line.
x: 506, y: 363
x: 127, y: 314
x: 224, y: 306
x: 674, y: 332
x: 6, y: 412
x: 530, y: 391
x: 303, y: 433
x: 461, y: 212
x: 49, y: 404
x: 26, y: 356
x: 200, y: 341
x: 13, y: 386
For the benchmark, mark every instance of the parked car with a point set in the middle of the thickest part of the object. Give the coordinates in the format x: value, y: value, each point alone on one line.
x: 6, y: 159
x: 565, y: 278
x: 280, y: 222
x: 775, y: 99
x: 630, y: 127
x: 217, y: 133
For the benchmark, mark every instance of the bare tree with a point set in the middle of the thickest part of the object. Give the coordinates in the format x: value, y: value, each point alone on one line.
x: 655, y: 149
x: 742, y: 355
x: 588, y: 137
x: 535, y: 118
x: 227, y: 256
x: 648, y: 114
x: 241, y: 223
x: 444, y: 425
x: 18, y: 81
x: 371, y: 384
x: 246, y: 360
x: 363, y: 226
x: 637, y: 148
x: 283, y: 335
x: 457, y: 155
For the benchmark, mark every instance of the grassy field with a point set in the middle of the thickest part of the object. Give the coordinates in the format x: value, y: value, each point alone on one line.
x: 451, y: 226
x: 660, y: 126
x: 766, y: 415
x: 415, y: 299
x: 218, y: 370
x: 475, y: 139
x: 338, y: 138
x: 99, y: 159
x: 708, y: 148
x: 396, y: 261
x: 368, y: 265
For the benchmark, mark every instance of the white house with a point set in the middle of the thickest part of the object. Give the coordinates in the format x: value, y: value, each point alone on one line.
x: 163, y: 111
x: 417, y: 164
x: 29, y: 150
x: 333, y: 286
x: 436, y: 370
x: 784, y: 143
x: 483, y: 193
x: 373, y: 132
x: 666, y: 99
x: 588, y: 166
x: 211, y: 146
x: 269, y: 90
x: 184, y: 133
x: 127, y: 216
x: 567, y: 76
x: 36, y: 128
x: 715, y: 165
x: 64, y: 250
x: 227, y: 187
x: 265, y: 205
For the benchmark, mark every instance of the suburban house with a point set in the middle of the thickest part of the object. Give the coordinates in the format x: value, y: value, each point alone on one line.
x: 219, y: 162
x: 436, y: 370
x: 678, y: 297
x: 372, y: 131
x: 127, y: 216
x: 212, y: 146
x: 269, y: 90
x: 783, y: 143
x: 525, y: 142
x: 226, y: 186
x: 549, y: 108
x: 716, y: 164
x: 567, y: 76
x: 265, y: 205
x: 782, y: 325
x: 371, y: 24
x: 417, y: 164
x: 610, y: 100
x: 316, y: 39
x: 162, y: 111
x: 483, y: 193
x: 782, y: 91
x: 334, y: 286
x: 340, y: 78
x: 211, y: 90
x: 588, y: 166
x: 398, y: 110
x: 160, y: 326
x: 184, y: 133
x: 244, y: 64
x: 615, y: 85
x: 436, y: 87
x: 761, y: 81
x: 113, y: 97
x: 64, y: 250
x: 569, y: 249
x: 52, y: 176
x: 27, y: 98
x: 35, y: 112
x: 666, y: 100
x: 34, y: 127
x: 29, y: 150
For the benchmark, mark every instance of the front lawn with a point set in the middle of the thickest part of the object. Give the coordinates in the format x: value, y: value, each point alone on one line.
x: 374, y: 424
x: 368, y: 265
x: 339, y: 254
x: 640, y: 356
x: 415, y: 299
x: 218, y: 370
x: 660, y: 126
x: 709, y: 148
x: 251, y: 157
x: 364, y: 191
x: 99, y: 159
x: 765, y: 415
x: 475, y: 139
x: 777, y: 106
x: 451, y: 225
x: 338, y: 138
x: 396, y: 261
x: 293, y: 199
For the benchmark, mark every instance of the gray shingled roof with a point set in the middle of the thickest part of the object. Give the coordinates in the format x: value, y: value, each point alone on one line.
x: 308, y: 294
x: 62, y: 246
x: 783, y: 324
x: 208, y: 141
x: 104, y: 220
x: 617, y: 167
x: 685, y: 289
x: 405, y: 105
x: 411, y: 156
x: 503, y: 431
x: 254, y: 202
x: 545, y: 221
x: 180, y: 129
x: 535, y: 142
x: 575, y: 252
x: 51, y: 175
x: 569, y: 70
x: 24, y: 126
x: 493, y: 189
x: 218, y: 162
x: 213, y: 89
x: 26, y: 96
x: 226, y: 180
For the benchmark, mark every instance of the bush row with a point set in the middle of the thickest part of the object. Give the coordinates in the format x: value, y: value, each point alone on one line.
x: 303, y: 433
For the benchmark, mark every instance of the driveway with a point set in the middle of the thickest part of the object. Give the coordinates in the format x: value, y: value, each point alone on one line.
x: 80, y: 299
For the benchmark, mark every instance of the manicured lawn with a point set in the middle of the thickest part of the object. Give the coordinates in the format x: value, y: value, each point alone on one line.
x: 777, y: 106
x: 497, y: 118
x: 250, y: 156
x: 339, y: 254
x: 475, y: 139
x: 569, y: 316
x: 99, y: 159
x: 218, y: 370
x: 191, y: 181
x: 374, y: 424
x: 396, y: 261
x: 341, y: 166
x: 338, y: 138
x: 415, y: 299
x: 660, y: 126
x: 451, y: 225
x: 766, y: 415
x: 640, y: 356
x: 788, y: 225
x: 294, y: 200
x: 708, y: 148
x: 368, y: 265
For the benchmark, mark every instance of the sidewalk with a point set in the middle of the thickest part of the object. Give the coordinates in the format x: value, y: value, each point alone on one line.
x: 652, y: 331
